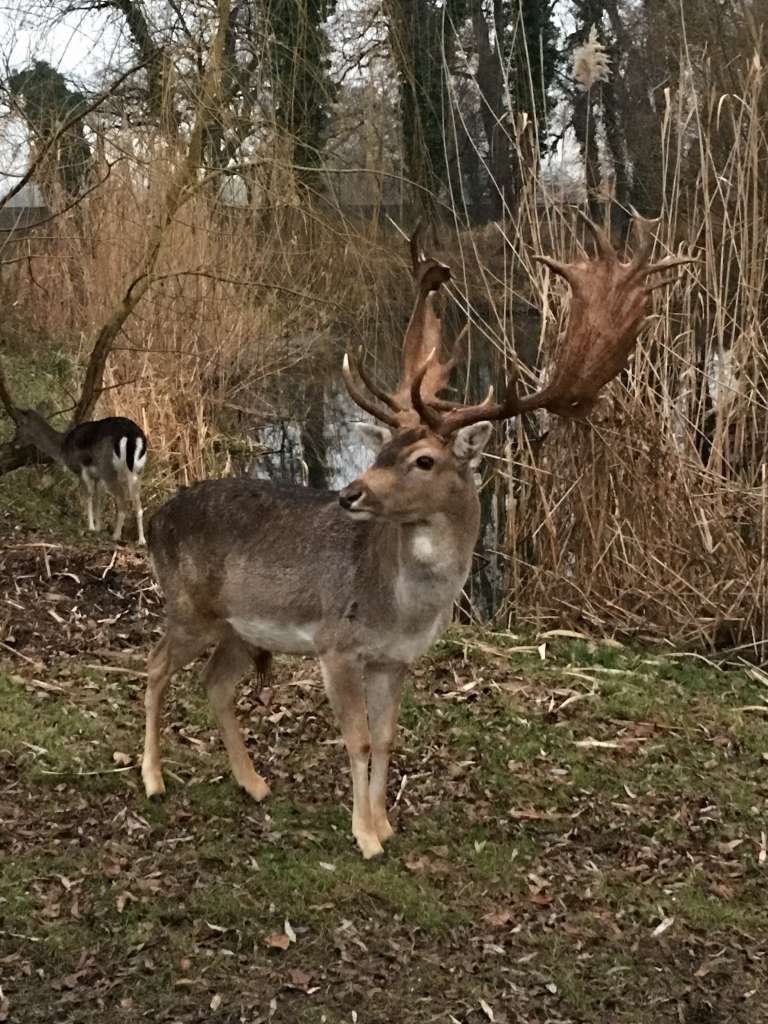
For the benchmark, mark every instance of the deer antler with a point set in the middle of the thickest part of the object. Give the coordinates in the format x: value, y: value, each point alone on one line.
x: 421, y: 348
x: 609, y: 301
x: 608, y: 305
x: 424, y: 333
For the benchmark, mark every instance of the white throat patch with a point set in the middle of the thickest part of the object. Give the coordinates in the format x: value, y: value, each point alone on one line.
x: 423, y: 546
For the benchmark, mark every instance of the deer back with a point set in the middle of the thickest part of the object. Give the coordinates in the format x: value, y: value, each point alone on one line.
x: 106, y: 448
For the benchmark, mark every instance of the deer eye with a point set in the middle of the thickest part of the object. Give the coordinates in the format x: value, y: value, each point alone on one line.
x: 424, y: 462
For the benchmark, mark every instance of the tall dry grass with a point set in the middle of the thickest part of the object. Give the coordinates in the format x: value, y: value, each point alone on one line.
x: 242, y: 300
x: 652, y: 518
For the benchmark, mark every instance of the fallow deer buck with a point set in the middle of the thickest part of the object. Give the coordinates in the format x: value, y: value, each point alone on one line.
x: 366, y: 578
x: 109, y: 453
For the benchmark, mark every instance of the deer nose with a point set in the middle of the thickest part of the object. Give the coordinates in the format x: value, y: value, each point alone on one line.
x: 350, y: 495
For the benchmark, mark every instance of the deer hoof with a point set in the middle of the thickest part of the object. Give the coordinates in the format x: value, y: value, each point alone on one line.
x: 370, y: 846
x: 256, y: 788
x: 154, y: 787
x: 384, y: 830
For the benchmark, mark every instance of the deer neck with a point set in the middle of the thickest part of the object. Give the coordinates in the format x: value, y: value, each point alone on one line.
x: 435, y: 554
x: 47, y: 439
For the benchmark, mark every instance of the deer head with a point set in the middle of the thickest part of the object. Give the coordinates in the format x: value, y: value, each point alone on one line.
x: 440, y: 441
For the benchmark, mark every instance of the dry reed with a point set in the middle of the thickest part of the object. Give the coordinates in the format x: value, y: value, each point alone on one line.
x: 650, y: 519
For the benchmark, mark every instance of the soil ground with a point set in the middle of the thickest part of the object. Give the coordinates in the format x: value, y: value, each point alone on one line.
x: 581, y: 830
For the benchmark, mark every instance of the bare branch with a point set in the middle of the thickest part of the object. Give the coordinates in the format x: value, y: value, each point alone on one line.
x: 70, y: 206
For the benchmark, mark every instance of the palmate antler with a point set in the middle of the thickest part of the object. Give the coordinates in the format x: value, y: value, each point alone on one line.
x: 421, y: 352
x: 608, y: 305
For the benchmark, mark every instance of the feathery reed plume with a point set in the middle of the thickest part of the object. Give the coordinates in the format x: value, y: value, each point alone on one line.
x: 591, y: 64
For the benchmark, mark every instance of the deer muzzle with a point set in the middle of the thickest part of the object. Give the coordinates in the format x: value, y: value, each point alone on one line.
x: 353, y: 499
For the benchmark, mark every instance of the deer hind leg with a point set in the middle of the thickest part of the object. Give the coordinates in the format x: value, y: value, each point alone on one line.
x: 346, y: 693
x: 96, y: 496
x: 174, y: 651
x: 121, y: 503
x: 384, y: 687
x: 227, y: 665
x: 135, y: 489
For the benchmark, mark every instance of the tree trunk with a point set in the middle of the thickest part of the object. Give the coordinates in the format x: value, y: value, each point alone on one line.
x: 313, y: 437
x: 586, y: 133
x: 504, y: 183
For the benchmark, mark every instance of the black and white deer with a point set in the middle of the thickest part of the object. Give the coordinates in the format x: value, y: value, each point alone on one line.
x: 110, y: 453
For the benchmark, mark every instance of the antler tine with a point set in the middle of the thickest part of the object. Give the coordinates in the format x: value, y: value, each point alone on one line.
x: 640, y: 264
x: 561, y: 269
x: 415, y: 246
x: 427, y: 414
x: 667, y: 263
x: 444, y: 404
x: 646, y: 242
x: 466, y: 415
x: 375, y: 390
x: 672, y: 279
x: 604, y: 248
x: 361, y: 399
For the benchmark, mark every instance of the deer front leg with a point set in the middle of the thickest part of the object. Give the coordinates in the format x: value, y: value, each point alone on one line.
x: 344, y: 686
x: 96, y: 505
x: 117, y: 533
x: 384, y: 687
x: 141, y: 539
x: 88, y: 485
x: 134, y: 489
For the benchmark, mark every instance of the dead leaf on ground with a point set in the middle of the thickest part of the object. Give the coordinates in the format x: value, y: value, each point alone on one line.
x: 299, y: 979
x: 497, y: 918
x: 532, y: 814
x: 487, y: 1010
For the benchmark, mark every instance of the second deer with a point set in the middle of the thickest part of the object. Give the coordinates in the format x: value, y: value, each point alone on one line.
x: 109, y: 453
x: 366, y: 578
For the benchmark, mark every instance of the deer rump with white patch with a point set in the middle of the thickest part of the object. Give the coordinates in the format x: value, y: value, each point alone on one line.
x: 365, y: 578
x: 110, y: 453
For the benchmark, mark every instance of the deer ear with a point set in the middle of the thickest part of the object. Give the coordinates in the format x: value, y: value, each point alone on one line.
x: 469, y: 442
x: 374, y: 436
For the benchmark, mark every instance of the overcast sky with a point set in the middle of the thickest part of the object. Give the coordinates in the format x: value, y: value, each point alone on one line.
x: 74, y: 44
